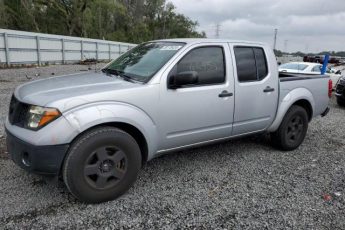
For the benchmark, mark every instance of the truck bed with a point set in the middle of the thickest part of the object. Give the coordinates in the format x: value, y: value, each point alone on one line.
x: 317, y: 85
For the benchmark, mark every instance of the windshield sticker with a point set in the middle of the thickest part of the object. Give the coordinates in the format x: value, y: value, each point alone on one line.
x: 170, y: 48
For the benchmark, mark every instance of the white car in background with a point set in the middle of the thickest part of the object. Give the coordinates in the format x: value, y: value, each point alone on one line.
x: 309, y: 68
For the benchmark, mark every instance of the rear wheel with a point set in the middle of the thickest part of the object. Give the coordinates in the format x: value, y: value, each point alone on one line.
x: 292, y: 130
x: 101, y: 165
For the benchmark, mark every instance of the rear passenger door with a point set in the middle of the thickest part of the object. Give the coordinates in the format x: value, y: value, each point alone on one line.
x: 256, y: 89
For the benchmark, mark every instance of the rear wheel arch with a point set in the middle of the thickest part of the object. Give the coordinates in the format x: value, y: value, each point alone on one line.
x: 300, y: 97
x: 305, y: 104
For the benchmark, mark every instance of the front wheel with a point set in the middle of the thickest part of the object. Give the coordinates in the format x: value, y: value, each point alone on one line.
x: 292, y: 130
x: 101, y: 165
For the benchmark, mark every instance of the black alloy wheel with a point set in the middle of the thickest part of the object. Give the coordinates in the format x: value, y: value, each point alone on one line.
x: 292, y: 129
x: 101, y: 164
x: 105, y: 167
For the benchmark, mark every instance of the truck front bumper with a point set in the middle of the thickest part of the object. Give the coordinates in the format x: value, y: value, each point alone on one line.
x: 44, y: 160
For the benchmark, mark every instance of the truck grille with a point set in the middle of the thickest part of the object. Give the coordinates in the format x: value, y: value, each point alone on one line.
x: 17, y: 112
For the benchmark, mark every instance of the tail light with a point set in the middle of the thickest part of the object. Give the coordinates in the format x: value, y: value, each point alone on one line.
x: 330, y: 86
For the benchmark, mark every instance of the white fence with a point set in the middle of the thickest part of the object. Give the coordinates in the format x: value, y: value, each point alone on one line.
x: 18, y: 47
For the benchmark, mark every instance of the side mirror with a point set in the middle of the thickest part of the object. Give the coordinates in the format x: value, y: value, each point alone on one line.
x: 338, y: 72
x: 182, y: 79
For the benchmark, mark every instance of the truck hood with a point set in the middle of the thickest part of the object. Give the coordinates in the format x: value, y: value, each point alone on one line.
x: 81, y: 86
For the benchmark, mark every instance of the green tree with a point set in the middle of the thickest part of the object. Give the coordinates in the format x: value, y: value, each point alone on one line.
x: 120, y: 20
x: 2, y: 14
x: 20, y: 15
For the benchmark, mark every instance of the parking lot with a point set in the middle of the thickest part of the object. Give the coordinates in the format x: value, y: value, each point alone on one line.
x: 241, y: 184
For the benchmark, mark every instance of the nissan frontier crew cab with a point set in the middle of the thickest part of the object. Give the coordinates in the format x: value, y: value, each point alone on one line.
x: 95, y: 130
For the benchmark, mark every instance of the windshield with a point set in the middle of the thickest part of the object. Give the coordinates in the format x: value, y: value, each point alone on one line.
x: 143, y: 61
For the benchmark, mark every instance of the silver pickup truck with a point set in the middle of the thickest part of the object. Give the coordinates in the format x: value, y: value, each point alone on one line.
x: 95, y: 130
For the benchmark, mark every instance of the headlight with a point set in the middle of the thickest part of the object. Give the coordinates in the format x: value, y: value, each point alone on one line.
x: 40, y: 116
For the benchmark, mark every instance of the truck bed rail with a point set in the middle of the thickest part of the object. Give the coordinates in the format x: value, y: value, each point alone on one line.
x: 295, y: 76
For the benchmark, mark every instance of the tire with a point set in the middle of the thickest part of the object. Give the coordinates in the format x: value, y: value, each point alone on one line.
x: 292, y: 130
x: 101, y: 165
x: 340, y: 102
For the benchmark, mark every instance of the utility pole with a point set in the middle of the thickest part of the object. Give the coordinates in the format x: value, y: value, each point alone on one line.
x: 275, y: 38
x: 285, y: 45
x: 217, y: 30
x: 164, y: 16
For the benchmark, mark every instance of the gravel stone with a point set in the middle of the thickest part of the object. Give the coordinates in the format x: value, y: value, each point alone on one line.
x: 239, y: 184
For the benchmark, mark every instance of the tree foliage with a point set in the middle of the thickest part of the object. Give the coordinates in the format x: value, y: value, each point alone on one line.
x: 279, y: 53
x: 121, y: 20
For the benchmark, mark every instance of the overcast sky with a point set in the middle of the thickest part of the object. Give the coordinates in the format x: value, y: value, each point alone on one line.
x: 305, y: 25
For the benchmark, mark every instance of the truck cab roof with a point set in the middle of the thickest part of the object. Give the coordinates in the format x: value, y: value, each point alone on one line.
x: 209, y: 40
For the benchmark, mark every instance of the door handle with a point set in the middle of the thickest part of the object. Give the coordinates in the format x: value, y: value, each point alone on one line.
x: 268, y: 89
x: 225, y: 94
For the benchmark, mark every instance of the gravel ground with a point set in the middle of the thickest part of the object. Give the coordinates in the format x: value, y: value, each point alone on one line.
x: 240, y: 184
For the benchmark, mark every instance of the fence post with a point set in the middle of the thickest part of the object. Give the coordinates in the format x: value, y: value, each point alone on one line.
x: 63, y: 51
x: 82, y: 50
x: 96, y: 51
x: 7, y: 53
x: 109, y: 47
x: 38, y: 50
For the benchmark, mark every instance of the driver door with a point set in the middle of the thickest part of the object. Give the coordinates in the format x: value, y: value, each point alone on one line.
x: 203, y: 111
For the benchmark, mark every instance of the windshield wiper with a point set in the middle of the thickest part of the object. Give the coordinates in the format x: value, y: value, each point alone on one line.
x: 111, y: 71
x: 121, y: 74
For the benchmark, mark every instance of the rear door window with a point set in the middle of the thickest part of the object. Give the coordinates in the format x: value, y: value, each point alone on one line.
x: 251, y: 64
x: 245, y: 62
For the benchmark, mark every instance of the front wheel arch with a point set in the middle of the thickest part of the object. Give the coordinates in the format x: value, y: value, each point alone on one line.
x: 128, y: 128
